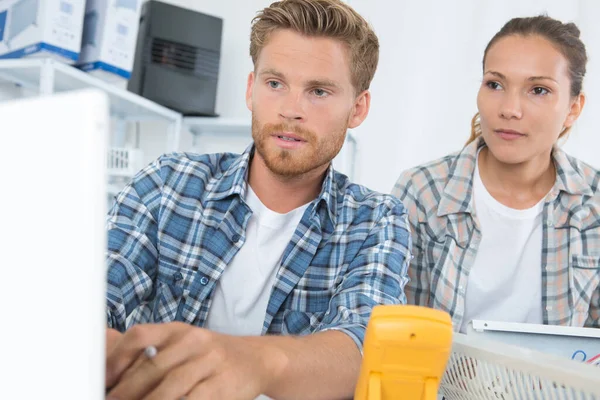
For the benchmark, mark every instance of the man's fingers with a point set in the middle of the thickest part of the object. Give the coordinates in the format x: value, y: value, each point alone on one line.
x: 134, y: 367
x: 147, y: 372
x: 213, y: 388
x: 138, y: 380
x: 112, y: 338
x: 133, y: 343
x: 182, y: 379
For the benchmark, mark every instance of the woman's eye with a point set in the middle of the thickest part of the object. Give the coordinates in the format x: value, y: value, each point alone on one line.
x: 540, y: 91
x: 493, y: 85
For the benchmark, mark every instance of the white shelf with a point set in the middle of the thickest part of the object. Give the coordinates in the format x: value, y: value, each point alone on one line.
x: 45, y: 76
x: 28, y: 72
x: 202, y: 125
x: 48, y: 76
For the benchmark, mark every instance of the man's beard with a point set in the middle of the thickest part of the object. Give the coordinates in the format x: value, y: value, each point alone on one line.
x: 313, y: 154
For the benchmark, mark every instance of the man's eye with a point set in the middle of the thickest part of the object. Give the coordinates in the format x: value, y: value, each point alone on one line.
x: 320, y: 92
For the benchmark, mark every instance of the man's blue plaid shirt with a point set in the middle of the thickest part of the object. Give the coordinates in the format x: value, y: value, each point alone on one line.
x: 181, y: 221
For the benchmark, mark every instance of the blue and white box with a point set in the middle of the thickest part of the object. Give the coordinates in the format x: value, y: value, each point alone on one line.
x: 41, y: 28
x: 109, y: 38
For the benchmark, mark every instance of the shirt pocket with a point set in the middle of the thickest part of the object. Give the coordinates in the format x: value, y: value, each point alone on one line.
x: 173, y: 287
x: 586, y: 278
x: 304, y: 310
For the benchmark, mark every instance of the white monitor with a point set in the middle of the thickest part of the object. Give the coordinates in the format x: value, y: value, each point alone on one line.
x: 52, y: 246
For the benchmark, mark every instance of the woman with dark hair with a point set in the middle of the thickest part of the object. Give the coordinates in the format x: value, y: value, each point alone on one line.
x: 508, y: 228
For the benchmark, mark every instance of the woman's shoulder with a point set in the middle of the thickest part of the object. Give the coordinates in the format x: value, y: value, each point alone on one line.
x: 574, y: 171
x: 589, y: 174
x: 430, y: 176
x: 578, y: 201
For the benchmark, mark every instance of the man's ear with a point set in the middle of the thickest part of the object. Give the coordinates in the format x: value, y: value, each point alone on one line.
x: 249, y: 87
x: 360, y: 110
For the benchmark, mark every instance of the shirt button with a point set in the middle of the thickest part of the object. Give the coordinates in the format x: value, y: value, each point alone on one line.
x: 549, y: 223
x: 177, y: 276
x: 548, y: 308
x: 204, y: 281
x: 236, y: 238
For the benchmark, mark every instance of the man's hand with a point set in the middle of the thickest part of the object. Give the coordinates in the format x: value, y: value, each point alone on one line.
x: 112, y: 338
x: 191, y: 362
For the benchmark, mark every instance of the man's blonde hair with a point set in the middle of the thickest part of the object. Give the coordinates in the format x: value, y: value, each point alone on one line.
x: 322, y: 18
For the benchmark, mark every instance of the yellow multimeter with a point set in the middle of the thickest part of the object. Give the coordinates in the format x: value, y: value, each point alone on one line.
x: 406, y: 349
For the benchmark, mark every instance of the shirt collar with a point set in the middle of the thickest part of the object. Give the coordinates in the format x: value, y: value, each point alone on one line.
x: 328, y: 196
x: 233, y: 181
x: 458, y: 191
x: 569, y: 176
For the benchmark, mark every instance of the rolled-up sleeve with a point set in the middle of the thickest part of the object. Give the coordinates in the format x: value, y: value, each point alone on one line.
x: 377, y: 275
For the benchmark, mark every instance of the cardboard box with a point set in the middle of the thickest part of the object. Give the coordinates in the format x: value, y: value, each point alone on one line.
x: 109, y: 38
x: 41, y: 28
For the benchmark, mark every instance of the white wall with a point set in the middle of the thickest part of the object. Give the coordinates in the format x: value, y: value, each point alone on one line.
x: 235, y: 66
x: 424, y: 92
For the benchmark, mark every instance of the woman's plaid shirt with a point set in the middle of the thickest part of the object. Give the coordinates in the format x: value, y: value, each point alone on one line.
x: 439, y: 198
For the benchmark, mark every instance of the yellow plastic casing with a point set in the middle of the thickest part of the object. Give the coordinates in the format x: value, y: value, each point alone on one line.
x: 406, y: 349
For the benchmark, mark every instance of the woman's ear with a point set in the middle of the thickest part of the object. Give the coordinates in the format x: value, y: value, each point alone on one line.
x: 575, y: 110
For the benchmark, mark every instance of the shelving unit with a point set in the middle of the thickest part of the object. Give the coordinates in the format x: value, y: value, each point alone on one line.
x: 203, y: 125
x: 44, y: 76
x: 51, y: 76
x: 47, y: 76
x: 350, y: 150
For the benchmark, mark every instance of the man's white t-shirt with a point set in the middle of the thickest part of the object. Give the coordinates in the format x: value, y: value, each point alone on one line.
x: 239, y: 303
x: 505, y: 282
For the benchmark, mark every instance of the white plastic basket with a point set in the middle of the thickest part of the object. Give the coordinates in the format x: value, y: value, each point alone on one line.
x: 124, y: 162
x: 480, y: 369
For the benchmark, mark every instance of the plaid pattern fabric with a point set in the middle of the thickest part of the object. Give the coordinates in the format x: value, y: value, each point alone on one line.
x: 446, y: 236
x: 181, y: 221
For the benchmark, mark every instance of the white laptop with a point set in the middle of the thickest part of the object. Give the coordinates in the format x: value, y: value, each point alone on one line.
x: 52, y: 243
x: 581, y: 344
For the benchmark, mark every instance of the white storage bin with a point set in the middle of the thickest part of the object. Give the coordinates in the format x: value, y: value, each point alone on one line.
x: 124, y: 162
